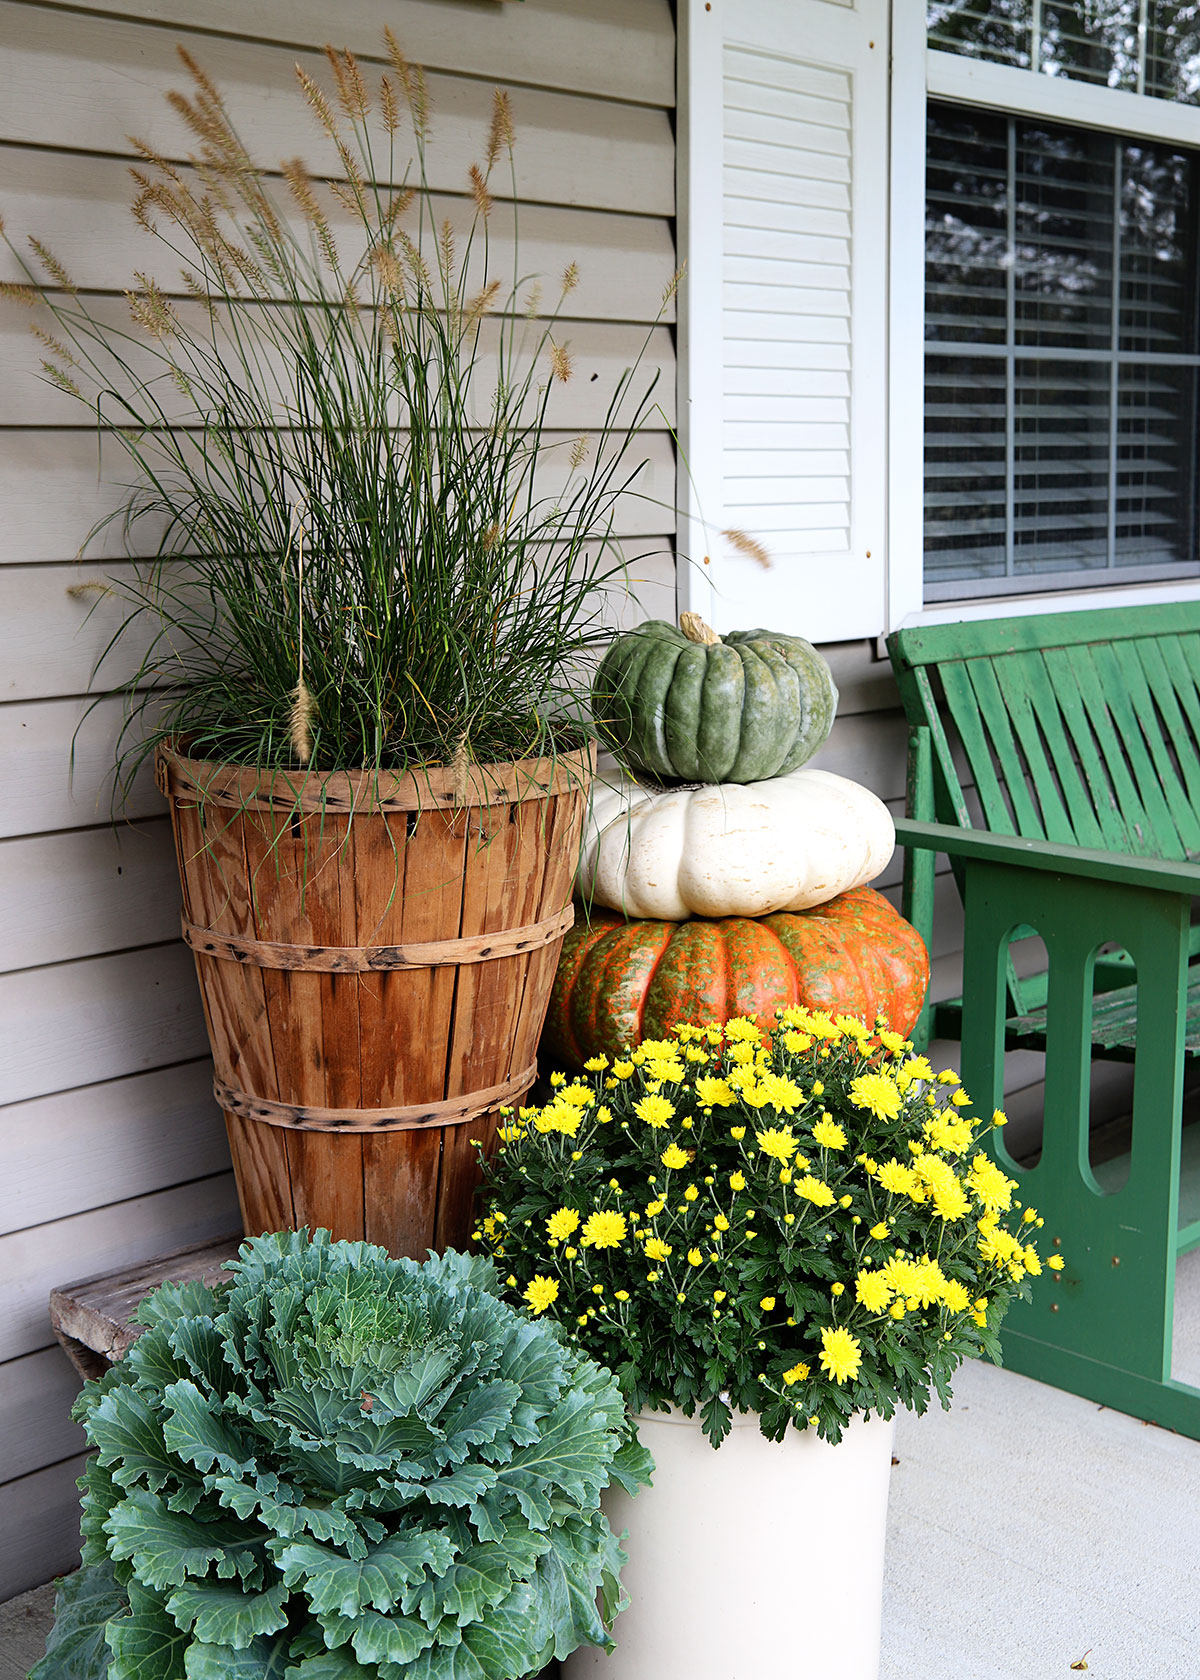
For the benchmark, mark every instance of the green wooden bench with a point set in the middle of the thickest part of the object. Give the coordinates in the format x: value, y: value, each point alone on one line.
x: 1075, y: 739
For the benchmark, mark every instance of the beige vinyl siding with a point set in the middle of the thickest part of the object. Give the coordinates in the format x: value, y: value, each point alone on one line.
x: 111, y: 1149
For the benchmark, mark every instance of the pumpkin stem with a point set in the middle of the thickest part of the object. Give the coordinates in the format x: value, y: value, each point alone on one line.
x: 695, y: 629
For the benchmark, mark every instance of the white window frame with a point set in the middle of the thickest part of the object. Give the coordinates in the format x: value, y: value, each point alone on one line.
x: 920, y: 74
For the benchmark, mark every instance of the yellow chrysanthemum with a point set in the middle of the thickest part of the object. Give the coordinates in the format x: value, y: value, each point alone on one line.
x: 841, y: 1354
x: 991, y: 1186
x: 558, y: 1116
x: 872, y: 1290
x: 796, y: 1374
x: 828, y: 1134
x: 955, y: 1295
x: 877, y: 1094
x: 562, y: 1223
x: 737, y: 1181
x: 814, y: 1190
x: 667, y: 1070
x: 714, y: 1093
x: 694, y: 1257
x: 604, y: 1229
x: 996, y: 1244
x: 622, y: 1070
x: 741, y: 1055
x: 948, y: 1077
x: 767, y: 1304
x: 1056, y: 1262
x: 578, y: 1095
x: 781, y: 1093
x: 893, y: 1041
x: 896, y: 1179
x: 541, y: 1293
x: 654, y: 1110
x: 742, y: 1030
x: 596, y: 1064
x: 721, y: 1223
x: 674, y: 1157
x: 880, y: 1231
x: 657, y: 1249
x: 777, y: 1142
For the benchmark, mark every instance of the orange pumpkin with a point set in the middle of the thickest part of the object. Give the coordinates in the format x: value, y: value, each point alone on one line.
x: 620, y: 981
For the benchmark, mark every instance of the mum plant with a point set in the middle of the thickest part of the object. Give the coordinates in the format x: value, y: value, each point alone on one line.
x: 802, y: 1224
x: 341, y: 1465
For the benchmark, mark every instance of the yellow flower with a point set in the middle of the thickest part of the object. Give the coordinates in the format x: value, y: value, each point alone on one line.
x: 767, y: 1303
x: 797, y: 1374
x: 570, y: 1253
x: 991, y: 1186
x: 777, y: 1142
x: 838, y: 1289
x: 715, y: 1093
x: 657, y: 1249
x: 815, y: 1191
x: 796, y: 1042
x: 877, y: 1094
x: 541, y: 1293
x: 829, y: 1134
x: 579, y: 1096
x: 718, y: 1295
x: 781, y: 1093
x: 897, y: 1179
x: 872, y: 1290
x: 893, y: 1041
x: 742, y: 1030
x: 737, y: 1133
x: 1056, y: 1262
x: 596, y: 1064
x: 622, y: 1070
x: 949, y: 1134
x: 655, y: 1111
x: 558, y: 1079
x: 690, y: 1194
x: 1032, y: 1264
x: 960, y: 1099
x: 737, y: 1181
x: 561, y: 1224
x: 674, y: 1157
x: 852, y: 1027
x: 948, y: 1077
x: 653, y: 1209
x: 841, y: 1354
x: 999, y: 1118
x: 694, y: 1257
x: 955, y: 1295
x: 604, y: 1115
x: 721, y: 1223
x: 604, y: 1229
x: 741, y: 1055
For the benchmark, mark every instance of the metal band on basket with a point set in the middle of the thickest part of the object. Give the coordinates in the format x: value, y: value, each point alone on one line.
x: 374, y: 959
x: 451, y: 1111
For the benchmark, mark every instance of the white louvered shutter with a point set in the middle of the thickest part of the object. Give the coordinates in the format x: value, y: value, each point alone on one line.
x: 784, y: 172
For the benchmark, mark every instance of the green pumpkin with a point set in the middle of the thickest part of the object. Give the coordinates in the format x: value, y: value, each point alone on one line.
x: 688, y: 705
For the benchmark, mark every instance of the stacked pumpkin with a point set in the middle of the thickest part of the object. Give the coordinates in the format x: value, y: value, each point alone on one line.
x: 728, y: 879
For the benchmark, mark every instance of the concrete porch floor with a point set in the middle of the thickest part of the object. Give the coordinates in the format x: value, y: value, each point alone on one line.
x: 1029, y: 1530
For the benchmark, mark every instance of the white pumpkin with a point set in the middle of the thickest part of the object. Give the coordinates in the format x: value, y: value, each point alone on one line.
x: 732, y: 849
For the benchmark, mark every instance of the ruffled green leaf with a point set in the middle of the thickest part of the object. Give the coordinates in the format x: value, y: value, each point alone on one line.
x: 197, y: 1433
x: 83, y: 1605
x: 265, y: 1659
x: 171, y: 1302
x: 130, y: 1437
x: 336, y: 1585
x: 515, y: 1638
x: 225, y: 1615
x: 145, y: 1644
x: 376, y: 1638
x: 329, y: 1665
x: 166, y: 1547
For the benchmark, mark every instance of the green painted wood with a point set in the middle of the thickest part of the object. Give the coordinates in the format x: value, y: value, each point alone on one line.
x: 1047, y: 856
x: 1038, y: 719
x: 1177, y: 699
x: 916, y: 904
x: 932, y: 644
x: 1060, y: 673
x: 963, y: 705
x: 993, y: 709
x: 1159, y: 725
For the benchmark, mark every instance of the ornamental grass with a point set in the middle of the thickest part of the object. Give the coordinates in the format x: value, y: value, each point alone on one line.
x: 804, y: 1225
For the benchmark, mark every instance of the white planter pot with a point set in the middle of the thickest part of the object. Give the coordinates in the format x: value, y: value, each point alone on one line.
x: 762, y: 1560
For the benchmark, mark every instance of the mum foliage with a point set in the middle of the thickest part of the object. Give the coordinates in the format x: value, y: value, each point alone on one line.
x: 806, y: 1226
x: 341, y: 1465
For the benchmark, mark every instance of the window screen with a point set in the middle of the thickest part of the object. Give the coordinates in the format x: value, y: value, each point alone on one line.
x: 1144, y: 46
x: 1062, y: 359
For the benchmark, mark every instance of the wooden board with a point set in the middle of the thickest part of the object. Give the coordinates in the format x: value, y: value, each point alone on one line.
x: 99, y: 1018
x: 86, y: 891
x: 125, y: 1137
x: 624, y: 49
x: 36, y: 1396
x: 93, y: 1319
x: 33, y: 1262
x: 85, y: 89
x: 39, y: 1536
x: 79, y: 207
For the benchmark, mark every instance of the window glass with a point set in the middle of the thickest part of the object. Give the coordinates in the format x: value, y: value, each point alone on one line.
x: 1061, y: 356
x: 1143, y: 46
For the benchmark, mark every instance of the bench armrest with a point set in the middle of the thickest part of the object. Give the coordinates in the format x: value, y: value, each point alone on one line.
x: 1049, y: 856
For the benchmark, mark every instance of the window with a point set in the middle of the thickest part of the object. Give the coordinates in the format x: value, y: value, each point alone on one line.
x: 1144, y: 46
x: 1062, y: 356
x: 1062, y: 349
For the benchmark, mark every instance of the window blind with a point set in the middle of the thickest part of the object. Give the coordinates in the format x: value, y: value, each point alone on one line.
x: 1061, y: 357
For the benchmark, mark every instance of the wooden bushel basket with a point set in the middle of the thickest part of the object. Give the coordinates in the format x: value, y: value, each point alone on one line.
x: 375, y: 955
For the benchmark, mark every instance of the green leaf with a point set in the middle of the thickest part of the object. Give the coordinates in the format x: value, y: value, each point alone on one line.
x: 632, y: 1467
x: 329, y: 1665
x: 173, y: 1301
x: 376, y: 1638
x: 514, y: 1637
x: 167, y: 1546
x: 342, y: 1586
x: 265, y: 1659
x: 201, y: 1437
x: 83, y: 1605
x: 570, y: 1459
x: 146, y: 1644
x: 225, y: 1615
x: 569, y: 1575
x: 462, y: 1486
x: 129, y: 1435
x: 481, y: 1577
x: 478, y: 1420
x: 438, y: 1662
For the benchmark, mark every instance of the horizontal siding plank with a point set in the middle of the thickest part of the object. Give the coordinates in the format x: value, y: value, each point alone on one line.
x: 53, y: 638
x: 87, y: 87
x: 624, y: 49
x: 55, y: 487
x: 86, y: 891
x: 36, y: 1395
x: 81, y: 1022
x: 39, y: 1537
x: 34, y: 1262
x: 865, y: 684
x: 44, y: 789
x: 125, y: 1137
x: 79, y: 207
x: 868, y: 747
x: 601, y: 354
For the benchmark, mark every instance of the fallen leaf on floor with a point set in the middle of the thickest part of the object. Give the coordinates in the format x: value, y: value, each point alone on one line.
x: 1083, y: 1661
x: 895, y: 1460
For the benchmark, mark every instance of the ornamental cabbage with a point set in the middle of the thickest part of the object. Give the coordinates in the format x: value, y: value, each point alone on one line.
x: 341, y: 1465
